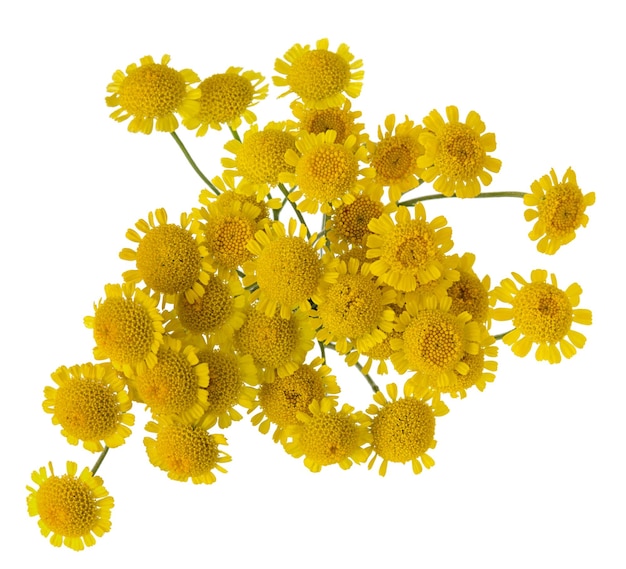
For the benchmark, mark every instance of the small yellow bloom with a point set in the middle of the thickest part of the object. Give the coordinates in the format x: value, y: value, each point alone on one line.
x: 340, y: 119
x: 469, y: 293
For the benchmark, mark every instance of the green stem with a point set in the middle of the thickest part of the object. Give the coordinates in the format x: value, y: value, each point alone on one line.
x: 500, y: 336
x: 295, y: 208
x: 413, y: 201
x: 322, y: 350
x: 193, y: 164
x: 234, y: 133
x: 99, y: 461
x: 372, y: 383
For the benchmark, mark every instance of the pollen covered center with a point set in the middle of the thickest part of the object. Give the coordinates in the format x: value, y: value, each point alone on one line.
x: 460, y: 154
x: 394, y: 158
x: 318, y: 74
x: 227, y: 238
x: 328, y: 438
x: 261, y: 158
x: 350, y: 220
x: 327, y: 172
x: 225, y: 96
x: 562, y: 209
x: 413, y: 246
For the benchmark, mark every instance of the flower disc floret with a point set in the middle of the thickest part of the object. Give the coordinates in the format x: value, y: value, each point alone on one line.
x: 90, y: 404
x: 469, y: 293
x: 559, y: 210
x: 456, y: 153
x: 319, y: 77
x: 74, y: 509
x: 340, y: 119
x: 153, y: 92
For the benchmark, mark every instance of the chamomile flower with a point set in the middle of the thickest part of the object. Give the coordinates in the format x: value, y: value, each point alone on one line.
x: 542, y: 314
x: 153, y: 93
x: 456, y: 153
x: 469, y: 293
x: 558, y: 208
x: 74, y: 509
x: 340, y: 119
x: 319, y: 77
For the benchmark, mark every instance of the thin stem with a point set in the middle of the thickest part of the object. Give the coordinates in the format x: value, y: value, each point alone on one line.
x: 500, y: 336
x: 372, y: 383
x: 322, y: 350
x: 295, y: 208
x: 234, y: 133
x: 413, y: 201
x: 100, y: 459
x: 193, y: 164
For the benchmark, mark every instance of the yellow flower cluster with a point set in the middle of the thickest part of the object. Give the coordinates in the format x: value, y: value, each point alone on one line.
x: 234, y: 309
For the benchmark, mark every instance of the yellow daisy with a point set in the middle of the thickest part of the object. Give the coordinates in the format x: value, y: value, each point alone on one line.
x: 186, y: 451
x: 281, y: 400
x: 327, y: 174
x: 410, y: 252
x: 289, y: 270
x: 226, y: 98
x: 320, y: 77
x: 127, y: 328
x: 559, y: 208
x: 327, y: 436
x: 90, y: 404
x: 153, y: 92
x: 176, y: 384
x: 72, y: 508
x: 340, y: 119
x: 394, y: 156
x: 542, y: 314
x: 403, y: 429
x: 170, y: 258
x: 456, y: 153
x: 469, y: 293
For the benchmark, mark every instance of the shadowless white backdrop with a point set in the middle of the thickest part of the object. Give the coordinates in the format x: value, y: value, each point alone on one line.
x: 528, y: 473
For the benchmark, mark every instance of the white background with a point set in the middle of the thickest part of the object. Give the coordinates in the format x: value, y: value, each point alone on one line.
x: 528, y: 474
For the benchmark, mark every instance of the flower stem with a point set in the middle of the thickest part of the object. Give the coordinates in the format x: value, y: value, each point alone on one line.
x: 99, y: 461
x: 500, y: 336
x: 295, y: 208
x: 234, y: 133
x: 369, y: 380
x: 193, y: 164
x: 413, y: 201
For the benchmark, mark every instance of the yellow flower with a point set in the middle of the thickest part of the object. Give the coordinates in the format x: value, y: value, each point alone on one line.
x: 289, y: 269
x: 170, y: 258
x: 90, y: 404
x: 456, y: 153
x: 283, y: 398
x: 259, y: 158
x: 153, y: 92
x: 469, y: 293
x: 326, y: 173
x: 542, y: 314
x: 73, y: 508
x: 404, y: 429
x: 327, y: 436
x: 394, y: 156
x: 340, y: 119
x: 559, y: 208
x: 277, y: 345
x: 226, y: 98
x: 185, y: 451
x: 127, y: 328
x: 410, y: 251
x: 320, y: 77
x: 174, y: 385
x: 354, y: 310
x: 434, y: 341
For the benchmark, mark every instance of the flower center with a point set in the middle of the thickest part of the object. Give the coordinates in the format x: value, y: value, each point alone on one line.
x: 322, y: 120
x: 261, y: 158
x: 350, y: 220
x: 562, y: 209
x: 318, y: 74
x: 328, y: 438
x: 225, y: 96
x: 185, y: 451
x: 542, y: 312
x: 153, y: 90
x: 327, y: 172
x: 468, y: 294
x: 225, y: 383
x: 414, y: 245
x: 460, y: 154
x: 209, y: 312
x: 227, y: 238
x: 394, y: 158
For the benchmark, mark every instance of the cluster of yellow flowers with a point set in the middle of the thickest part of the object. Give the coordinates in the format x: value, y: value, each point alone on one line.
x: 232, y: 309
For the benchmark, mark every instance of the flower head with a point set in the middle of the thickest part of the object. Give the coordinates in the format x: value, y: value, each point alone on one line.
x: 320, y: 77
x: 153, y: 92
x: 226, y: 98
x: 559, y: 208
x: 73, y: 508
x: 90, y: 404
x: 456, y: 153
x: 542, y: 314
x: 340, y: 119
x: 469, y: 293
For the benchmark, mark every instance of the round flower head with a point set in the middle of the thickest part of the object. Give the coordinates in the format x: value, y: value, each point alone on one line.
x: 355, y: 308
x: 394, y: 156
x: 289, y: 269
x: 542, y: 314
x: 169, y: 257
x: 153, y: 92
x: 185, y: 451
x: 403, y: 429
x: 226, y: 98
x: 277, y: 345
x: 232, y: 193
x: 434, y: 340
x: 327, y: 436
x: 127, y: 328
x: 456, y: 153
x: 410, y: 251
x: 90, y: 404
x: 320, y: 77
x: 231, y: 378
x: 326, y: 173
x: 281, y: 400
x: 469, y: 293
x: 174, y: 386
x: 559, y: 208
x: 259, y: 158
x: 340, y: 119
x: 72, y: 508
